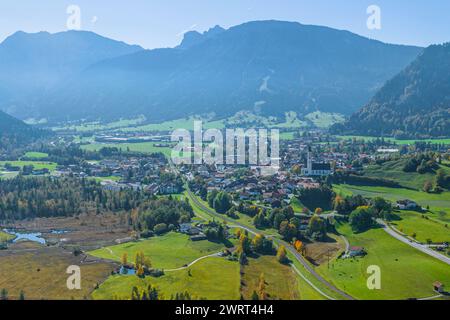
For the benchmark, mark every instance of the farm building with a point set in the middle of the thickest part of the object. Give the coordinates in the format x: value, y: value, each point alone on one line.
x: 356, y: 252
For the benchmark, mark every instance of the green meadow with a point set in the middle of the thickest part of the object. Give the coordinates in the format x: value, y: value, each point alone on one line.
x: 5, y: 236
x: 324, y: 120
x: 280, y: 280
x: 211, y: 278
x: 393, y: 170
x: 439, y: 204
x: 169, y: 251
x: 97, y: 126
x: 186, y: 123
x: 405, y: 271
x: 397, y: 141
x: 36, y: 155
x: 143, y: 147
x: 36, y: 164
x: 423, y: 227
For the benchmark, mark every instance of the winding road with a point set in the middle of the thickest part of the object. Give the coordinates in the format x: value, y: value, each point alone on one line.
x: 277, y: 242
x: 413, y: 244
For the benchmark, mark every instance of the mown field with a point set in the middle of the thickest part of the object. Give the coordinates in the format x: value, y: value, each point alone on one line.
x: 36, y: 164
x: 97, y: 126
x: 185, y: 123
x: 212, y: 279
x: 397, y: 141
x: 143, y: 147
x: 5, y: 236
x: 422, y: 227
x: 280, y: 280
x: 405, y: 271
x: 173, y: 250
x: 393, y: 170
x: 40, y: 272
x: 324, y: 120
x: 35, y: 155
x: 439, y: 203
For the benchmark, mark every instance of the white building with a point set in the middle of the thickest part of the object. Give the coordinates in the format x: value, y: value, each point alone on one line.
x: 316, y: 168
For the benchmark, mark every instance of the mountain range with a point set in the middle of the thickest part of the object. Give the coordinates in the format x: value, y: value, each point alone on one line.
x: 31, y: 65
x: 267, y: 67
x: 14, y: 132
x: 415, y: 103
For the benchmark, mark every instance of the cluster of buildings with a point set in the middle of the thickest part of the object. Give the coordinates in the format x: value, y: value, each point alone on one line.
x: 136, y: 173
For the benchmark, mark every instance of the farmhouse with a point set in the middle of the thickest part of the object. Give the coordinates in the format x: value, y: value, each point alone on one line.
x: 188, y: 229
x: 407, y: 205
x: 356, y: 252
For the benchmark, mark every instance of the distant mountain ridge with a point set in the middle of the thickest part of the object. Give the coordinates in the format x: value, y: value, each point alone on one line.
x: 268, y: 67
x: 32, y: 64
x: 14, y: 132
x: 415, y: 103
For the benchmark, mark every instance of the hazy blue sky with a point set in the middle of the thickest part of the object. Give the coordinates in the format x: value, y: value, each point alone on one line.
x: 161, y: 23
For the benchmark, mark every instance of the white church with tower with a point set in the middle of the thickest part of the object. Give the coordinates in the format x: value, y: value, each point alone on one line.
x: 316, y: 168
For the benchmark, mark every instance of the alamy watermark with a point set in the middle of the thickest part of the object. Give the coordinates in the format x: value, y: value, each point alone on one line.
x: 74, y: 280
x: 74, y: 19
x: 374, y: 19
x: 252, y: 147
x: 374, y: 279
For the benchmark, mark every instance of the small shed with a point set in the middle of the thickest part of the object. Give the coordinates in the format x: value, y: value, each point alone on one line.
x: 356, y: 252
x: 439, y: 287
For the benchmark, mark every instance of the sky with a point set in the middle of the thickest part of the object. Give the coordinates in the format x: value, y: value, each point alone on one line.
x: 162, y: 23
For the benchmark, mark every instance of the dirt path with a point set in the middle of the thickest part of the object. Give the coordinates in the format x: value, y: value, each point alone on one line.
x: 214, y: 255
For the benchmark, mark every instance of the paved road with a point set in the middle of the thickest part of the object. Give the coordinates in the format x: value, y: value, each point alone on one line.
x: 307, y: 266
x: 296, y: 254
x: 413, y: 244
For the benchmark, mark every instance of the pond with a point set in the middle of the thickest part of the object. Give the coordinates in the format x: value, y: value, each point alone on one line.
x: 26, y: 236
x: 59, y: 231
x: 127, y: 272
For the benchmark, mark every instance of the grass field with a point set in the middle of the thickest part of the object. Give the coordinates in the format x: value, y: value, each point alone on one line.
x: 425, y: 229
x: 439, y: 203
x: 36, y: 164
x: 212, y: 278
x: 143, y: 147
x: 405, y: 271
x: 397, y: 141
x: 296, y: 205
x: 324, y: 120
x: 97, y: 126
x: 281, y: 281
x: 185, y: 123
x: 112, y: 178
x: 393, y: 170
x: 5, y: 236
x: 287, y: 135
x: 170, y: 251
x: 41, y: 274
x: 35, y: 155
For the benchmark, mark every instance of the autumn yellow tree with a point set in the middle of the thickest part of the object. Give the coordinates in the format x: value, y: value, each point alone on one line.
x: 318, y: 211
x: 298, y: 245
x: 139, y: 260
x: 262, y: 287
x: 258, y: 242
x: 124, y: 259
x: 140, y: 271
x: 282, y: 254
